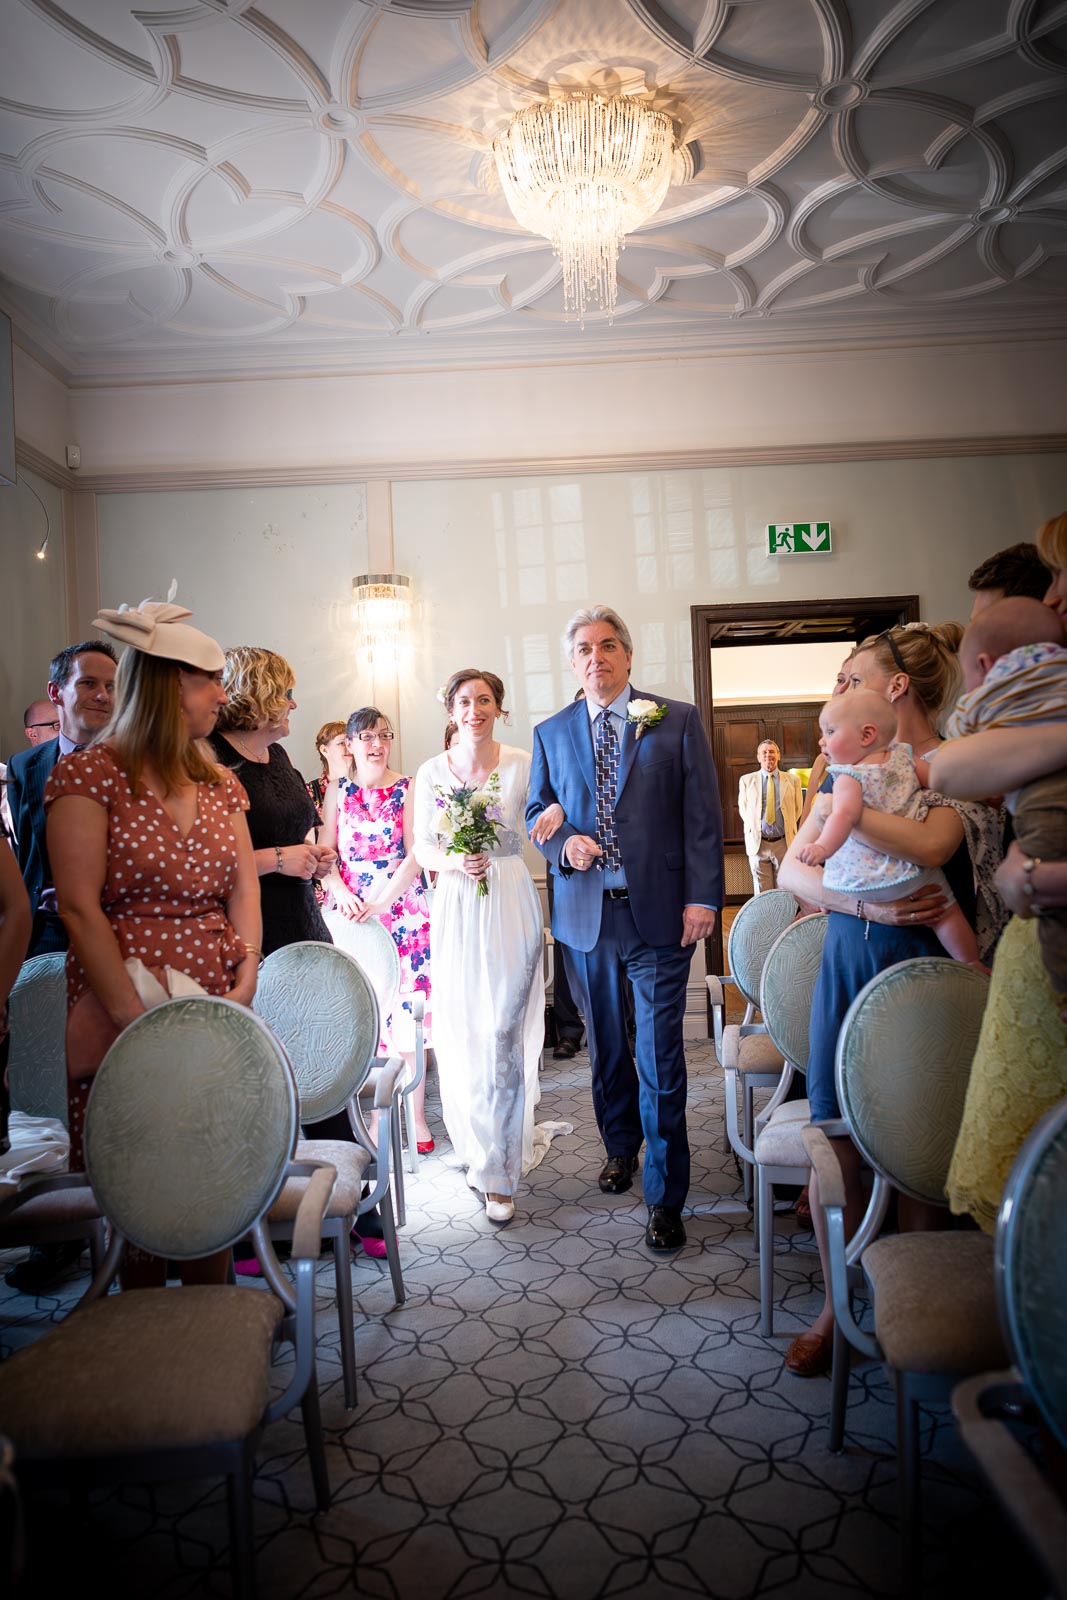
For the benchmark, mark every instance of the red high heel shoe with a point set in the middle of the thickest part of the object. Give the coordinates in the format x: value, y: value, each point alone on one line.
x: 425, y: 1147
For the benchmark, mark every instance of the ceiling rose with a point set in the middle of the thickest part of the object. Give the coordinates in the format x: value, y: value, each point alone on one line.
x: 584, y: 171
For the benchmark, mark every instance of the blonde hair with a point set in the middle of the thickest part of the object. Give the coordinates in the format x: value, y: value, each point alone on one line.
x: 147, y: 726
x: 1052, y: 543
x: 328, y: 731
x: 258, y: 683
x: 928, y: 654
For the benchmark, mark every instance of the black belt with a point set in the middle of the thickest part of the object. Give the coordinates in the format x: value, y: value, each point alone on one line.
x: 616, y: 894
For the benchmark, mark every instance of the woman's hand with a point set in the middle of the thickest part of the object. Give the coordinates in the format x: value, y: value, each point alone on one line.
x: 327, y: 859
x: 927, y: 905
x: 372, y: 908
x: 549, y: 822
x: 246, y: 976
x: 298, y: 861
x: 476, y: 867
x: 347, y: 903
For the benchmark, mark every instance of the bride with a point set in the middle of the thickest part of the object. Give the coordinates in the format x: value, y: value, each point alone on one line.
x: 489, y: 990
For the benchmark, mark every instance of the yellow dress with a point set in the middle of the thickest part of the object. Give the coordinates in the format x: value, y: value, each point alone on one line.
x: 1019, y: 1072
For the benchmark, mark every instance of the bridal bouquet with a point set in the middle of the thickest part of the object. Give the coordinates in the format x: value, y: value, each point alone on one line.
x: 468, y: 818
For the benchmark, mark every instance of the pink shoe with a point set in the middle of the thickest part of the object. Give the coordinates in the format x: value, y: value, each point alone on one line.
x: 375, y: 1248
x: 249, y: 1268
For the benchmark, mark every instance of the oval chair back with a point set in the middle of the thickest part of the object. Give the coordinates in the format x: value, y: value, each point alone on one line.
x: 321, y: 1005
x: 755, y: 928
x: 37, y: 1064
x: 1030, y: 1276
x: 372, y: 946
x: 190, y: 1126
x: 902, y: 1066
x: 787, y: 986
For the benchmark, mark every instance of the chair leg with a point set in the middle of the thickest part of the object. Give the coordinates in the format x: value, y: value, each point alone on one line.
x: 242, y: 1547
x: 766, y: 1253
x: 392, y: 1249
x: 342, y: 1277
x: 908, y: 1484
x: 839, y: 1390
x: 413, y: 1142
x: 309, y: 1409
x: 747, y: 1118
x: 97, y: 1245
x: 396, y: 1135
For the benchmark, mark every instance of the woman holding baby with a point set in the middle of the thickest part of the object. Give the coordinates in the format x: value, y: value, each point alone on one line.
x: 914, y: 670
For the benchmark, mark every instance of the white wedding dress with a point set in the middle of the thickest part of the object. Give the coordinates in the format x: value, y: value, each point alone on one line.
x: 488, y: 985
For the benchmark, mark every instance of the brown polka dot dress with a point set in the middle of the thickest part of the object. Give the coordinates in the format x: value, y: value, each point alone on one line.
x: 164, y: 896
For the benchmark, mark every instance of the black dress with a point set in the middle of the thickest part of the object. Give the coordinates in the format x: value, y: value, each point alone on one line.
x: 280, y: 813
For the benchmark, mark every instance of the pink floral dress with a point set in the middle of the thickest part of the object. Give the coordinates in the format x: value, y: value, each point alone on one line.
x: 370, y: 847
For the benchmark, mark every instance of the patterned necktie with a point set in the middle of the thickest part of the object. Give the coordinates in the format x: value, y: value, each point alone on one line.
x: 771, y: 814
x: 607, y: 778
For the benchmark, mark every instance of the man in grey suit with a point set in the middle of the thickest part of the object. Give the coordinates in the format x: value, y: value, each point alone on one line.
x: 81, y: 687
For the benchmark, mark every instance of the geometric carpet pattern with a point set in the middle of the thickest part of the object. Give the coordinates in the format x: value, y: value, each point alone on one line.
x: 555, y: 1413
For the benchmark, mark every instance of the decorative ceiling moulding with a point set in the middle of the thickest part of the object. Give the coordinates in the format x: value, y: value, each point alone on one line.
x: 207, y: 190
x: 169, y: 479
x: 55, y: 472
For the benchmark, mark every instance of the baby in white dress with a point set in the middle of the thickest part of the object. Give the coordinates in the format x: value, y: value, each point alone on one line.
x: 857, y: 730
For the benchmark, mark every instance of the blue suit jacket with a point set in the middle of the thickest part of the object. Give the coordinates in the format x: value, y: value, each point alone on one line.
x: 667, y: 818
x: 27, y: 773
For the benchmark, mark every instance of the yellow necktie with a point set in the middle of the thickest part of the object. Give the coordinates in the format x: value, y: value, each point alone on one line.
x: 770, y: 814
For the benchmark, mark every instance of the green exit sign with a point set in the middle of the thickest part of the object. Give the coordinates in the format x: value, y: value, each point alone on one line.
x: 798, y: 538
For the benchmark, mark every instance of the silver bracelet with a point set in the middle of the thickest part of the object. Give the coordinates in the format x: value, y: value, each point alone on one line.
x: 1030, y: 864
x: 278, y: 854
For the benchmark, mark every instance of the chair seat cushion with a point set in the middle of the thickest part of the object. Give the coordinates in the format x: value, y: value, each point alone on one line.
x: 146, y: 1370
x: 779, y: 1144
x: 351, y: 1162
x: 758, y: 1054
x: 935, y: 1307
x: 47, y: 1210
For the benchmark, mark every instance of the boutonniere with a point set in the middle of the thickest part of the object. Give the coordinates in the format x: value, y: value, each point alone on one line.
x: 644, y: 714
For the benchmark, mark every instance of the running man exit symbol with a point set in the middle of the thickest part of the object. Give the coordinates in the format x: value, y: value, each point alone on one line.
x: 798, y: 538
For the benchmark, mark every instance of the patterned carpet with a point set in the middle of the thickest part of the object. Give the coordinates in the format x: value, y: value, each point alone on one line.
x: 555, y: 1413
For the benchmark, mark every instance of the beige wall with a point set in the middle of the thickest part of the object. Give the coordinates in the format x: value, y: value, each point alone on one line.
x: 34, y: 605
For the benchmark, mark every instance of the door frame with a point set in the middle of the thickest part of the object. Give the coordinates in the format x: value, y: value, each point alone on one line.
x: 891, y: 610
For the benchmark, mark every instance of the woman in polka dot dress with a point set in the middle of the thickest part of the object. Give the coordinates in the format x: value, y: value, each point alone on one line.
x: 151, y: 857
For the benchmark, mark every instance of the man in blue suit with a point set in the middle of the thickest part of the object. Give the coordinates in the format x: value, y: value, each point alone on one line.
x: 638, y: 880
x: 81, y: 686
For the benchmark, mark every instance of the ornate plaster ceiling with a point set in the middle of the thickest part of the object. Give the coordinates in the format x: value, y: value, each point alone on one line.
x: 223, y: 186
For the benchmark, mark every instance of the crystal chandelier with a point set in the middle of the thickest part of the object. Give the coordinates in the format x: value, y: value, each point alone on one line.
x: 383, y: 609
x: 585, y: 171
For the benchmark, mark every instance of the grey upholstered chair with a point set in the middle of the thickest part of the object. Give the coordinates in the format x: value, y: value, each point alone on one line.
x: 319, y: 1003
x: 1031, y: 1285
x: 54, y: 1208
x: 743, y: 1049
x: 787, y: 985
x: 903, y: 1062
x: 372, y: 946
x: 188, y: 1133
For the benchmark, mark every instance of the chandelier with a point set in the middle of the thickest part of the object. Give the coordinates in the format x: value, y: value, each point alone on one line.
x: 584, y: 172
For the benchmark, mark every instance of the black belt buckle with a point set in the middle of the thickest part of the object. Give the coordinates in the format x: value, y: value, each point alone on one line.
x: 616, y: 894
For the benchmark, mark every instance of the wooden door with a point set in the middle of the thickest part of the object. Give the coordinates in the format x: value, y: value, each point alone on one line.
x: 739, y: 730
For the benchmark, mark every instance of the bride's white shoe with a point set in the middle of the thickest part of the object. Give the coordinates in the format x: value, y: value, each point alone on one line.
x: 499, y: 1210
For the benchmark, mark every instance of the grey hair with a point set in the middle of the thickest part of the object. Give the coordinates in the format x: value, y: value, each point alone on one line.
x: 773, y: 742
x: 591, y: 614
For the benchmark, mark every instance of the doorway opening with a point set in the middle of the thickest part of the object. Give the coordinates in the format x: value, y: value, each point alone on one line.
x: 735, y: 728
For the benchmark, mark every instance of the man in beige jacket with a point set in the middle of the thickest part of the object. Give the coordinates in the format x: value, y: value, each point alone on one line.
x: 770, y: 802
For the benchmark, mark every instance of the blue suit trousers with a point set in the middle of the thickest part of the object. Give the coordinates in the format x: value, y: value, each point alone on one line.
x: 645, y: 1099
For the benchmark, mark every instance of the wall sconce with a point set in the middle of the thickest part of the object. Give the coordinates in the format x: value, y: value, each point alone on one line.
x: 383, y: 609
x: 42, y: 548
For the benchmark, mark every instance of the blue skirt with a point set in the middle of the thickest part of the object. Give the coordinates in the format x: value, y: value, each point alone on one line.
x: 849, y: 961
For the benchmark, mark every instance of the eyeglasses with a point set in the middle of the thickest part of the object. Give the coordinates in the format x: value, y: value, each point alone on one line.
x: 386, y: 737
x: 53, y: 725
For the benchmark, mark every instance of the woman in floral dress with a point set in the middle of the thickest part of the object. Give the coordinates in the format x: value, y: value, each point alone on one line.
x: 367, y: 819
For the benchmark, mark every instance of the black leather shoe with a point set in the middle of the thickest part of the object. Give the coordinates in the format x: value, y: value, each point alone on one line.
x: 566, y: 1049
x: 43, y: 1265
x: 664, y: 1231
x: 617, y: 1174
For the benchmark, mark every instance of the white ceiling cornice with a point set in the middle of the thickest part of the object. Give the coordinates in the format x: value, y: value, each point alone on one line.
x: 294, y: 186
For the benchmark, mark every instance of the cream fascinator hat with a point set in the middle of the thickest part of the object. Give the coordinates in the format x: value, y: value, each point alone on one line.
x: 159, y: 628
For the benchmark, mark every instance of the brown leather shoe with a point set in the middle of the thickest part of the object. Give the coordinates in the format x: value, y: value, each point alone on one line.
x: 811, y: 1355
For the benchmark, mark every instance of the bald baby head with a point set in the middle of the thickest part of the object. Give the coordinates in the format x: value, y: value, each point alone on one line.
x: 1006, y: 626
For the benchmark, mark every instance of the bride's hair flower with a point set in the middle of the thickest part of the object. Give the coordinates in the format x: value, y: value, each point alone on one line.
x: 441, y: 695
